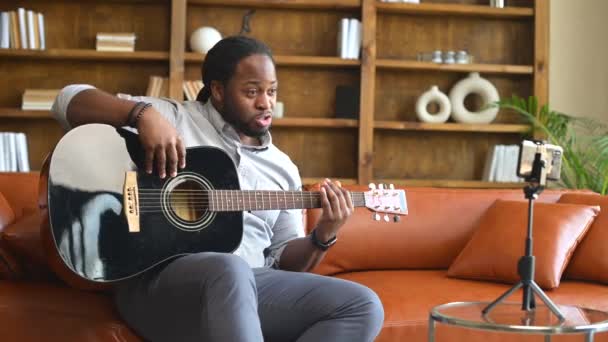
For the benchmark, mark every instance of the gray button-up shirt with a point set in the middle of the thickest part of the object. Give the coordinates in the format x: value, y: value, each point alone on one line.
x: 262, y: 167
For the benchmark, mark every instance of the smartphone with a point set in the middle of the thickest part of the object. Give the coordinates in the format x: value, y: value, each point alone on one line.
x: 551, y: 154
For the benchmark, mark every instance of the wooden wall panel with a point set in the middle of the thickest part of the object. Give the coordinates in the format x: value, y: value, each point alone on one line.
x: 305, y: 92
x: 320, y: 152
x: 433, y: 155
x: 287, y: 32
x: 519, y: 3
x: 124, y: 77
x: 495, y: 41
x: 74, y: 24
x: 398, y: 91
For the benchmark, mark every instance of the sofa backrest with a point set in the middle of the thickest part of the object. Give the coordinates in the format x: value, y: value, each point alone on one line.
x: 439, y: 224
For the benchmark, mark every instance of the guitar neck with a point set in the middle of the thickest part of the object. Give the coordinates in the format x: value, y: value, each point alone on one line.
x: 246, y: 200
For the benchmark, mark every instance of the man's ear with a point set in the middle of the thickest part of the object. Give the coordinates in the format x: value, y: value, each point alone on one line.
x: 217, y: 91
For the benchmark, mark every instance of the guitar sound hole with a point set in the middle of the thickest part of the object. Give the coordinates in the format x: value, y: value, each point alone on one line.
x: 188, y: 200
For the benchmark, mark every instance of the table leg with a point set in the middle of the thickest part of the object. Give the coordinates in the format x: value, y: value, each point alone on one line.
x: 431, y: 329
x: 589, y: 336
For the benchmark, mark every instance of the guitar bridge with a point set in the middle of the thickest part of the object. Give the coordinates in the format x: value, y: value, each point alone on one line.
x: 131, y: 201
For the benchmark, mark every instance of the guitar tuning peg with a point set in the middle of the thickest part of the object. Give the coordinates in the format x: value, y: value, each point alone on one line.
x: 396, y: 218
x: 372, y: 186
x: 391, y: 186
x: 386, y: 218
x: 376, y: 217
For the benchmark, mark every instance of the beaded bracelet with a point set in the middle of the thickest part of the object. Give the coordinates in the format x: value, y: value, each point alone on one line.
x: 136, y: 112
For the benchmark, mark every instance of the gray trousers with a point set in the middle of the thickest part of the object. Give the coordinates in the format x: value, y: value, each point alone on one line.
x: 217, y: 297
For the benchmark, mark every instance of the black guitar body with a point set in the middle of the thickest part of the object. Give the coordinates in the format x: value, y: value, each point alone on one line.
x: 87, y: 209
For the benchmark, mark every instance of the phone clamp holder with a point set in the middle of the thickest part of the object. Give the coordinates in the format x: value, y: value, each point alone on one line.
x: 525, y: 266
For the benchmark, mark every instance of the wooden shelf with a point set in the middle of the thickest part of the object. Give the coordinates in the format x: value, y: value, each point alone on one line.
x: 16, y: 113
x: 84, y: 54
x: 456, y: 9
x: 321, y: 61
x: 288, y: 4
x: 449, y: 183
x: 451, y: 127
x: 315, y: 122
x: 485, y: 68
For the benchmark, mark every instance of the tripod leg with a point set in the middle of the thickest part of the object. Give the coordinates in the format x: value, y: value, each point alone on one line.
x: 528, y: 302
x: 487, y: 309
x: 547, y: 301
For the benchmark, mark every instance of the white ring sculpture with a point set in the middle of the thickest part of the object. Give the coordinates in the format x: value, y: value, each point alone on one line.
x: 434, y: 95
x: 478, y: 85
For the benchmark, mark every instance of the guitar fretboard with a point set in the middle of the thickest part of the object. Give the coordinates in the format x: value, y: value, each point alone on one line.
x: 246, y: 200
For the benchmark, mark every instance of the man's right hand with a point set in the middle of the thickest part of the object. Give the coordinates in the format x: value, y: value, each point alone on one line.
x: 162, y: 143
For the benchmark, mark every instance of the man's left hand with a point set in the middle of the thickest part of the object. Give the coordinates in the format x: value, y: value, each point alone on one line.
x: 337, y: 207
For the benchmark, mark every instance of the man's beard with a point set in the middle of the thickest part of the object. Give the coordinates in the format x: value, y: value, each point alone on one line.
x: 230, y: 115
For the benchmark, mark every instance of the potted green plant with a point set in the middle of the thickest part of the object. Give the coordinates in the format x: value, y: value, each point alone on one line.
x: 584, y: 140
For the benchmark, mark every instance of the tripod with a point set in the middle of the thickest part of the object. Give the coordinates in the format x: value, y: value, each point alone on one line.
x: 525, y: 266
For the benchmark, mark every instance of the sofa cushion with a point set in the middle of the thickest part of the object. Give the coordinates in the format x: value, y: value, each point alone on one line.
x: 590, y: 259
x: 10, y: 268
x: 499, y: 241
x: 438, y: 226
x: 21, y: 191
x: 45, y: 312
x: 7, y: 215
x: 408, y: 296
x: 22, y: 238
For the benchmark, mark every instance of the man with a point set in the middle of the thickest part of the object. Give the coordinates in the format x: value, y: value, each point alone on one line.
x: 262, y: 290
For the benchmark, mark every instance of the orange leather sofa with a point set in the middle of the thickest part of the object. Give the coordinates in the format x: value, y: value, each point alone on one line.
x: 405, y: 263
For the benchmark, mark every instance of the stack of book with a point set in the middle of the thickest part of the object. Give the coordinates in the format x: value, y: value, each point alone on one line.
x: 38, y: 99
x: 117, y: 42
x: 192, y: 88
x: 22, y: 29
x: 158, y: 86
x: 13, y: 152
x: 501, y: 164
x: 349, y: 38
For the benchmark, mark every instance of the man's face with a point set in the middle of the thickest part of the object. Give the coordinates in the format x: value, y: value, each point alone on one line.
x: 250, y: 96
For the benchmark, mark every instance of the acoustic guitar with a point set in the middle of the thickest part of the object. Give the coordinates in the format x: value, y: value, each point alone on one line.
x: 108, y: 220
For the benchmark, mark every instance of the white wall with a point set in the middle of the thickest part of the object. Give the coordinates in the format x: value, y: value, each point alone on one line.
x: 578, y: 57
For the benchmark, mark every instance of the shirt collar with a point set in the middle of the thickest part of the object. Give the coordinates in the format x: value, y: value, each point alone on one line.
x: 226, y: 130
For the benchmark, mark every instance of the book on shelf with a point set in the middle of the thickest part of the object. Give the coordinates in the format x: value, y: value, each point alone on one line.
x: 22, y: 29
x: 192, y: 88
x: 501, y: 164
x: 158, y: 86
x: 116, y: 42
x: 14, y: 152
x: 38, y: 99
x: 349, y: 38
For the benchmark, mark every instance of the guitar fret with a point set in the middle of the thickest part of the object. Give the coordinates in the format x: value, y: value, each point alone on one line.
x: 247, y: 200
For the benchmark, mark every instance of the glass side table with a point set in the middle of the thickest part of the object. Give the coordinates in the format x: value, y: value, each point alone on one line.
x: 509, y: 317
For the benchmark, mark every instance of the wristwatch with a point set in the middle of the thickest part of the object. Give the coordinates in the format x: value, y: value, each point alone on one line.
x: 322, y: 245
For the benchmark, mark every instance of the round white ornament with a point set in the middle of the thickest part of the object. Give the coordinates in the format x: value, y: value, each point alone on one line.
x: 474, y: 84
x: 433, y: 95
x: 204, y: 38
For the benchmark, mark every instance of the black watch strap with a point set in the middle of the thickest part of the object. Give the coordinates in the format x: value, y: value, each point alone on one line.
x: 322, y: 245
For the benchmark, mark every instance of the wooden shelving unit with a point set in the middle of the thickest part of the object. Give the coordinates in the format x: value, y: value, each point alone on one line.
x: 86, y: 55
x: 284, y: 4
x: 316, y: 61
x: 385, y: 142
x: 484, y: 68
x: 16, y: 113
x: 314, y: 122
x: 455, y: 10
x: 452, y: 127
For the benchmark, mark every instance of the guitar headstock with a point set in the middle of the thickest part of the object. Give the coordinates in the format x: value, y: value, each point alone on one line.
x: 383, y: 200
